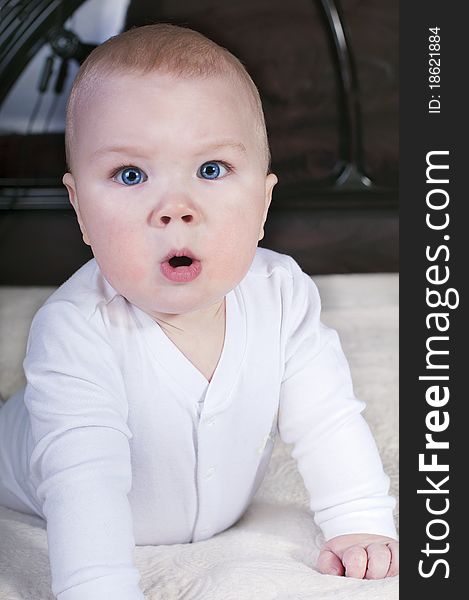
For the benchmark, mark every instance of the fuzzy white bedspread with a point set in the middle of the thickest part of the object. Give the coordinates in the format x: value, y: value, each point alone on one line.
x: 271, y: 552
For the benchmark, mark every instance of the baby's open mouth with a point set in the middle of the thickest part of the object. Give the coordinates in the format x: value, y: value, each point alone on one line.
x: 180, y: 261
x: 180, y: 266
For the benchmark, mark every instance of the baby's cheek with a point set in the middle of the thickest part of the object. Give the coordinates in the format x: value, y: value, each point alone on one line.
x: 121, y: 255
x: 234, y: 246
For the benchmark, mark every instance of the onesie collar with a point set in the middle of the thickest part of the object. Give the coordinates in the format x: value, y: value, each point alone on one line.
x: 184, y: 375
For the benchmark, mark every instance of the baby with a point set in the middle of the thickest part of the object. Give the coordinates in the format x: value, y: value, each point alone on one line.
x: 159, y: 373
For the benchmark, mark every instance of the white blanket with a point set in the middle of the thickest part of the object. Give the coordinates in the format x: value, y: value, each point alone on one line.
x: 271, y: 552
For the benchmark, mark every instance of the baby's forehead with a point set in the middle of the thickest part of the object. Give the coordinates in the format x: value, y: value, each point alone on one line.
x: 156, y: 89
x: 103, y: 83
x: 98, y: 101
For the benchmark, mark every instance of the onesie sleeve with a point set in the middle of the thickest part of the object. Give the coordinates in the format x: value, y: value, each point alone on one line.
x: 80, y: 464
x: 320, y: 416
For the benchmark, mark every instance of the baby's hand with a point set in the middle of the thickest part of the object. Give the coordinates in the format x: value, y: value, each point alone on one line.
x: 361, y: 555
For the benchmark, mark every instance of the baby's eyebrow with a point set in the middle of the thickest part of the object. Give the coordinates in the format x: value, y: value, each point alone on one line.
x: 141, y: 152
x: 225, y: 144
x: 135, y: 151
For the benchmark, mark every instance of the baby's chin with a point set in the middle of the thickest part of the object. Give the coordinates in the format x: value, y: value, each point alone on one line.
x: 178, y: 306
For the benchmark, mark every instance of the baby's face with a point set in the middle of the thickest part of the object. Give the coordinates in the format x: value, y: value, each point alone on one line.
x: 163, y: 167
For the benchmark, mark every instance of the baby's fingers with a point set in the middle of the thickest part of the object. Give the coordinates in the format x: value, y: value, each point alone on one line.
x: 355, y: 560
x: 329, y: 563
x: 394, y: 566
x: 379, y: 560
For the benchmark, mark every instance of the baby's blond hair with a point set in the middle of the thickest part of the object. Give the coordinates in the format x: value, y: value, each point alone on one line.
x: 165, y: 48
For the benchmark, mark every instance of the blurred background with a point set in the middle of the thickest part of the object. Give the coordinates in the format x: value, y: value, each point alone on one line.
x: 327, y: 74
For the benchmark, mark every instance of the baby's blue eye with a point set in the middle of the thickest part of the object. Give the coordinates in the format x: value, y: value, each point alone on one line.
x: 212, y: 170
x: 130, y: 175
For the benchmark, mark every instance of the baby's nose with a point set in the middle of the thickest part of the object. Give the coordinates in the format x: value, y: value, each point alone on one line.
x: 165, y: 219
x: 170, y: 213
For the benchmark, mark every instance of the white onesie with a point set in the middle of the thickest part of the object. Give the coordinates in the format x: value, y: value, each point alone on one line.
x: 119, y: 440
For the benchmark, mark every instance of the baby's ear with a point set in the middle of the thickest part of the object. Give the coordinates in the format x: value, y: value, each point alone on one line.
x: 69, y: 182
x: 270, y: 182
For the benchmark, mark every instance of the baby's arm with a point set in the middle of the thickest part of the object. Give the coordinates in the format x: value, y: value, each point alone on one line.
x: 335, y: 451
x: 80, y: 464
